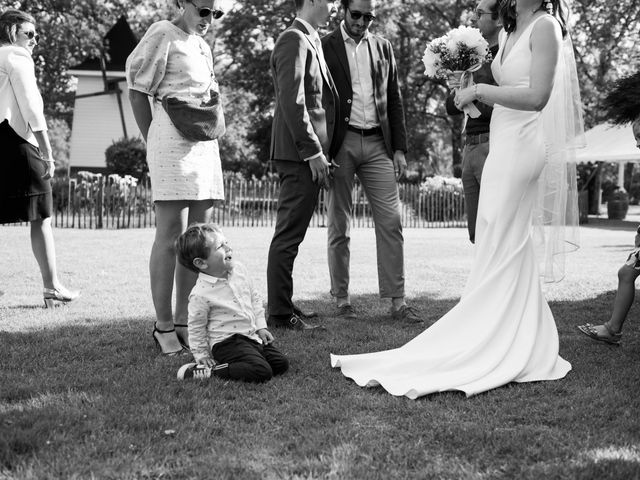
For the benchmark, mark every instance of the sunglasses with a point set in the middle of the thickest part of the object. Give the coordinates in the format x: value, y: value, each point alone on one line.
x: 205, y: 12
x: 355, y: 14
x: 31, y: 35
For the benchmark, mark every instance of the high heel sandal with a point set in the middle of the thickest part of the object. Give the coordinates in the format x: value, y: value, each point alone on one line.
x: 157, y: 334
x: 53, y: 296
x: 184, y: 341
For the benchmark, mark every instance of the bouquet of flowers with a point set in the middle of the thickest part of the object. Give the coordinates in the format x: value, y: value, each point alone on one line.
x: 455, y: 56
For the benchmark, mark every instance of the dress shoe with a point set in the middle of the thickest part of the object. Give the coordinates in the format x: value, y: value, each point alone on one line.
x: 406, y: 314
x: 297, y: 311
x: 346, y: 311
x: 294, y: 323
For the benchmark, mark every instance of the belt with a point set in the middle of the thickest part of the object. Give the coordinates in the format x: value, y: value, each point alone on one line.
x: 365, y: 132
x: 476, y: 139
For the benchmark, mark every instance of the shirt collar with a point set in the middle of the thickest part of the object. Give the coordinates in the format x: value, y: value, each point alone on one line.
x: 312, y: 31
x: 210, y: 278
x: 346, y: 37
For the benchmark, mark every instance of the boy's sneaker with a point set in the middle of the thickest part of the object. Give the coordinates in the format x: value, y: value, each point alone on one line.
x: 197, y: 371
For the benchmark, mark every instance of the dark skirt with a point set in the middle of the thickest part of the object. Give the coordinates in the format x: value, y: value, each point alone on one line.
x: 24, y: 195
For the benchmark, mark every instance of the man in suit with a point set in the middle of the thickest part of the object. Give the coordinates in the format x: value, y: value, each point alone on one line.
x: 476, y: 148
x: 370, y: 141
x: 303, y: 124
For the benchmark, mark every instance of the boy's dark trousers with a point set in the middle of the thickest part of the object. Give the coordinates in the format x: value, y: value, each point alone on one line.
x: 248, y: 359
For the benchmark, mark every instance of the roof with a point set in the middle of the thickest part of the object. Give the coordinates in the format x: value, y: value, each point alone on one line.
x: 609, y: 143
x: 119, y: 42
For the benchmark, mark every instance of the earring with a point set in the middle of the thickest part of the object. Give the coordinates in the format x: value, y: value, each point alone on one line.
x: 512, y: 4
x: 549, y: 7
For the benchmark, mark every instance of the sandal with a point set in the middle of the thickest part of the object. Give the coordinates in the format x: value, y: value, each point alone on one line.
x: 183, y: 335
x: 612, y: 338
x: 159, y: 338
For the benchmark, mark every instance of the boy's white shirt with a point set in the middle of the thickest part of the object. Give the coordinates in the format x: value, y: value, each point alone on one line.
x: 222, y: 307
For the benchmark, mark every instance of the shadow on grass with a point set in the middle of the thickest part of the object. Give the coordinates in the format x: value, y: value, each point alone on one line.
x: 98, y: 399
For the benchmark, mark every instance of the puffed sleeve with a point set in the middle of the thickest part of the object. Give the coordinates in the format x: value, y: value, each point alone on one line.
x: 146, y: 66
x: 23, y: 82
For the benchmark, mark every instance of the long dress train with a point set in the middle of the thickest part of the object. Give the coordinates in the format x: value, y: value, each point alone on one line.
x: 502, y: 330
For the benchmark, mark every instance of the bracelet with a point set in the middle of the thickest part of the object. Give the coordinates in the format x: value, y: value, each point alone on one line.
x: 475, y: 91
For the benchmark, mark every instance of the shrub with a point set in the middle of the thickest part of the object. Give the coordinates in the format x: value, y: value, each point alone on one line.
x: 127, y: 156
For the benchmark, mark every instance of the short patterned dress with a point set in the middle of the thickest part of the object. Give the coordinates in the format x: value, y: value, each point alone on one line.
x: 169, y: 61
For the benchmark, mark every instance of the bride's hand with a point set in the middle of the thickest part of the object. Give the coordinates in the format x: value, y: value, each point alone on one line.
x: 464, y: 96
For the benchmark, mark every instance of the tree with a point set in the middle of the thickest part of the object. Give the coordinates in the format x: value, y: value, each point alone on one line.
x: 606, y: 42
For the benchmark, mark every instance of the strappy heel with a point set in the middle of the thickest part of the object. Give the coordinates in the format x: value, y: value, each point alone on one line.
x: 55, y: 296
x: 183, y: 339
x: 157, y: 335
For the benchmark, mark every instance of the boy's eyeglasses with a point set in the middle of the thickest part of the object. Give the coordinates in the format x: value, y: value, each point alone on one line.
x: 355, y: 14
x: 31, y: 35
x: 205, y: 12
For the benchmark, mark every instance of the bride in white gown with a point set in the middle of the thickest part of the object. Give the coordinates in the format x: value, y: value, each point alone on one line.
x: 502, y: 330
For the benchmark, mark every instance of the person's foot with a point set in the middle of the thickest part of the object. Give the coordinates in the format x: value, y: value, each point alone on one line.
x: 182, y: 332
x: 406, y: 314
x: 55, y: 296
x: 168, y: 343
x: 304, y: 314
x: 199, y: 372
x: 346, y: 311
x: 601, y: 333
x: 293, y: 323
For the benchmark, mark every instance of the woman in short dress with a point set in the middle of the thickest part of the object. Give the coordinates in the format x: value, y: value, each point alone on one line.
x: 27, y: 159
x: 186, y: 176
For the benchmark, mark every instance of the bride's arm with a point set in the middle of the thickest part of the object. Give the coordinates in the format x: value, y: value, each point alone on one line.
x: 546, y: 39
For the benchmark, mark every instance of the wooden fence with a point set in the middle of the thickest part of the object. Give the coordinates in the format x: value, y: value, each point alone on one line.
x: 107, y: 202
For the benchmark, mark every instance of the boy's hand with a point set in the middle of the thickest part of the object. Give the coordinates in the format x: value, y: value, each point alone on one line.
x: 207, y: 362
x: 265, y: 335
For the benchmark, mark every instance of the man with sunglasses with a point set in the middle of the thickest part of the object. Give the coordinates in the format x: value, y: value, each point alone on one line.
x: 303, y: 123
x: 370, y: 142
x: 476, y: 146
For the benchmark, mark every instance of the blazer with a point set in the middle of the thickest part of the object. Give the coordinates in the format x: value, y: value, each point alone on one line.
x: 20, y: 100
x: 306, y: 100
x: 386, y: 90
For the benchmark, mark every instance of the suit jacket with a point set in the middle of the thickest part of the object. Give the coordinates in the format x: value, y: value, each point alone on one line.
x: 386, y: 90
x: 305, y: 108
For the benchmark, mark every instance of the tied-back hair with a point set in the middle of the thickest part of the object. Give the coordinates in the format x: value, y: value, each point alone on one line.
x: 196, y: 242
x: 9, y: 22
x: 557, y: 8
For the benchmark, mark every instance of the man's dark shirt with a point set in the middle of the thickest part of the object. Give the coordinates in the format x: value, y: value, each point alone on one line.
x: 476, y: 126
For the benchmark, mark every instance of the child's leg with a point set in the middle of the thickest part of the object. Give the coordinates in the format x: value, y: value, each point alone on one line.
x: 624, y: 297
x: 244, y: 358
x: 279, y: 363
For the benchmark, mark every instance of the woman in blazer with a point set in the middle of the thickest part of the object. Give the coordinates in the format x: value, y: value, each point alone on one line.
x: 26, y: 157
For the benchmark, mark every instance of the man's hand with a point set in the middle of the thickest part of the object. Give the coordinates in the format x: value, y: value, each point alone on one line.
x: 207, y: 362
x: 453, y: 80
x: 319, y: 170
x: 265, y: 335
x: 399, y: 164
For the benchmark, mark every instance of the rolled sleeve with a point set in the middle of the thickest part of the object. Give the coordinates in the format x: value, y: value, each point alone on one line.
x: 23, y: 82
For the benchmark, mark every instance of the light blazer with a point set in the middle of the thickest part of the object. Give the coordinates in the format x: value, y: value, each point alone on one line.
x: 306, y: 99
x: 385, y: 83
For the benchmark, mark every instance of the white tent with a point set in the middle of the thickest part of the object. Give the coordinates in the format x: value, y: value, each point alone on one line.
x: 610, y: 143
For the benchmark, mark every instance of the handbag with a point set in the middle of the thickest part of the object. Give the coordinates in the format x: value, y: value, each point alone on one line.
x: 194, y: 119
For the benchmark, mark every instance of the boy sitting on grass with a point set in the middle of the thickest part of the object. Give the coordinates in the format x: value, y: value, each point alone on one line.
x: 226, y: 316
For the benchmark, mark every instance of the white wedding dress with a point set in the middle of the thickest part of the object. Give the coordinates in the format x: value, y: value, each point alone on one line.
x: 502, y: 330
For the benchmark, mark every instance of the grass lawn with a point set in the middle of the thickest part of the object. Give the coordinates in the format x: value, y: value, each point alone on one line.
x: 84, y: 393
